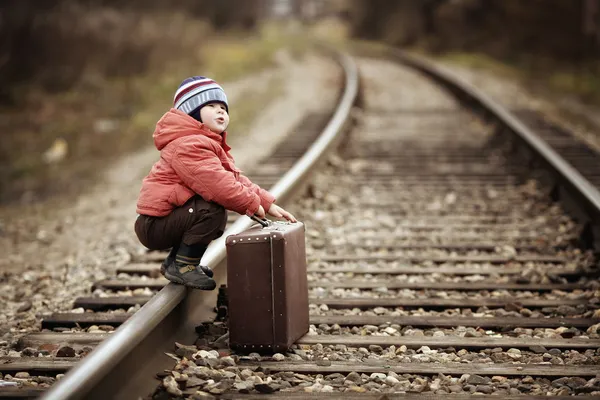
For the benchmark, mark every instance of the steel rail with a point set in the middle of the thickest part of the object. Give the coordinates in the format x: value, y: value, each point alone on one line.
x: 575, y: 183
x: 89, y: 379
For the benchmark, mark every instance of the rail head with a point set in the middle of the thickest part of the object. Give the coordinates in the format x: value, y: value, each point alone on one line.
x: 92, y: 372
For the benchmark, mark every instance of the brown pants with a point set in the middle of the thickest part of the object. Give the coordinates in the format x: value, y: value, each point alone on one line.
x: 197, y: 221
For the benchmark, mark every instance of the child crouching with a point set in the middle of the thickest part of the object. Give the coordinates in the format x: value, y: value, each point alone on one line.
x: 183, y: 200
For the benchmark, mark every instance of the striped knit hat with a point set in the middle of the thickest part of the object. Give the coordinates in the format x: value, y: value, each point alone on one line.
x: 195, y: 92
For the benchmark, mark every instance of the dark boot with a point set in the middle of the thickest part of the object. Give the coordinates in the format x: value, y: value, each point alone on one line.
x: 171, y: 257
x: 209, y: 272
x: 184, y: 269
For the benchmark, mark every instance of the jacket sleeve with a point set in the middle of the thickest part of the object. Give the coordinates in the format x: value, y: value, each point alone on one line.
x: 266, y: 198
x: 201, y: 170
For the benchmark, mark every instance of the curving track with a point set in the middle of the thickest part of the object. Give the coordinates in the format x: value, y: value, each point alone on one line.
x: 438, y: 263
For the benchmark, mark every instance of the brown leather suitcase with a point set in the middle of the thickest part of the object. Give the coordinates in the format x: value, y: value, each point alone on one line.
x: 267, y: 287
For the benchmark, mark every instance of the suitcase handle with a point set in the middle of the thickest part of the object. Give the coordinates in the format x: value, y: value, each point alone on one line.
x: 263, y: 221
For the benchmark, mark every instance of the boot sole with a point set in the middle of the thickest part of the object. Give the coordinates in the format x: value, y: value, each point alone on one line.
x: 172, y: 278
x: 178, y: 280
x: 213, y: 287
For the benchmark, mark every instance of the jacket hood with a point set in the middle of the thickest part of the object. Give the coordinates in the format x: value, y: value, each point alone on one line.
x: 176, y: 124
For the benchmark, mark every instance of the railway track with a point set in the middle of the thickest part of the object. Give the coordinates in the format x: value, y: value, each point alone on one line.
x: 439, y: 262
x: 66, y: 338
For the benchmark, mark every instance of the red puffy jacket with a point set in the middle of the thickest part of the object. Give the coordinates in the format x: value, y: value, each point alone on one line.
x: 193, y: 159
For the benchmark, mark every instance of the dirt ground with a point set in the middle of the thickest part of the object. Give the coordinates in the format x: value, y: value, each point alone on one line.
x: 52, y: 252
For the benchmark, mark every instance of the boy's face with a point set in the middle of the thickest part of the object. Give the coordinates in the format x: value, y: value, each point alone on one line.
x: 215, y: 117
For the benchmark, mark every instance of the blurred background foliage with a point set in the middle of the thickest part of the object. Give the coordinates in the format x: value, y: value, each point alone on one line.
x: 54, y: 43
x: 556, y: 42
x: 83, y: 81
x: 557, y: 29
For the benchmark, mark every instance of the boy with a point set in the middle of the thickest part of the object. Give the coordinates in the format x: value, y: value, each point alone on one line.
x: 183, y: 199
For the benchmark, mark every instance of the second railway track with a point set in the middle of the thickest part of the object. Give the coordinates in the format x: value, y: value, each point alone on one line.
x: 439, y: 263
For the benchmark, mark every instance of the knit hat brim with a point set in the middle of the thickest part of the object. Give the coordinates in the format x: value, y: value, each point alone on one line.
x: 194, y: 94
x: 201, y: 99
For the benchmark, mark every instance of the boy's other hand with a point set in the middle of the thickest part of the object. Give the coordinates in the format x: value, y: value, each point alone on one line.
x: 279, y: 212
x: 261, y: 212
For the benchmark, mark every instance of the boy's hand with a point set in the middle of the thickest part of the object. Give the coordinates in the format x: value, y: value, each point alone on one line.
x: 279, y: 212
x: 261, y: 212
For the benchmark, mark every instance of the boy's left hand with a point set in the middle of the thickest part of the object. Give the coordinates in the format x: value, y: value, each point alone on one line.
x: 279, y: 212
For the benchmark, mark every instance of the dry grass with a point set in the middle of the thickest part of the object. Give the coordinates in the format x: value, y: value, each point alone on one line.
x: 582, y: 81
x: 480, y: 61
